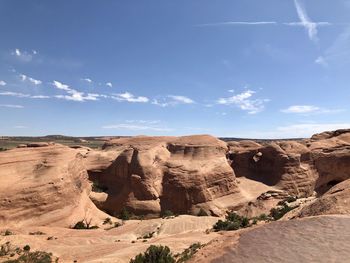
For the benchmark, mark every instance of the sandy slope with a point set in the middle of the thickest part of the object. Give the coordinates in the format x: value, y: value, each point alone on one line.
x: 115, y: 245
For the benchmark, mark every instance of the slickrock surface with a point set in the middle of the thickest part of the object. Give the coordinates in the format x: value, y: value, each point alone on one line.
x: 46, y: 185
x: 316, y: 239
x: 115, y: 245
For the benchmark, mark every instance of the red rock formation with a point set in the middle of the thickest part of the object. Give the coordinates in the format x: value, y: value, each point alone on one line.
x: 46, y: 185
x: 154, y: 174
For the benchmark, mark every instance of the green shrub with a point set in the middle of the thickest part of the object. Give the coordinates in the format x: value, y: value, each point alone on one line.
x: 202, y: 212
x: 279, y: 212
x: 233, y: 222
x: 154, y: 254
x: 26, y: 248
x: 124, y: 214
x: 188, y: 252
x: 84, y: 224
x: 33, y: 257
x: 263, y: 217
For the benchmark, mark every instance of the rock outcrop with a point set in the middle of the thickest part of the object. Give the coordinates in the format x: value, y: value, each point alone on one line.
x: 298, y: 167
x: 155, y: 174
x: 46, y: 185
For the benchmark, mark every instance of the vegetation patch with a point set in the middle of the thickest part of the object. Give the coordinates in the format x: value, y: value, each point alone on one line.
x: 233, y: 222
x: 84, y: 224
x: 188, y: 253
x: 13, y: 254
x: 278, y: 212
x: 155, y: 254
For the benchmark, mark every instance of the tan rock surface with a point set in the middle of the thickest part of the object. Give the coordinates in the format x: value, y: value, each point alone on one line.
x: 44, y: 186
x: 316, y: 239
x: 149, y: 173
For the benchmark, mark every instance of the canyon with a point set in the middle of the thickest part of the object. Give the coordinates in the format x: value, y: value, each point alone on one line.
x: 165, y: 183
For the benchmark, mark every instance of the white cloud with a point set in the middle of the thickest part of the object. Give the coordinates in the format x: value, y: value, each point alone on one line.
x: 11, y: 106
x: 22, y: 95
x: 237, y: 23
x: 181, y: 99
x: 78, y: 96
x: 24, y: 56
x: 143, y: 121
x: 172, y: 100
x: 127, y: 96
x: 135, y: 127
x: 309, y: 109
x: 31, y: 80
x: 60, y: 85
x: 20, y: 127
x: 301, y: 109
x: 109, y: 84
x: 305, y: 21
x: 245, y: 102
x: 2, y: 83
x: 87, y: 80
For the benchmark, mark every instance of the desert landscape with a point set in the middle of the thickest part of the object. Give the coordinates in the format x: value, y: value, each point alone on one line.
x: 174, y: 131
x: 205, y: 199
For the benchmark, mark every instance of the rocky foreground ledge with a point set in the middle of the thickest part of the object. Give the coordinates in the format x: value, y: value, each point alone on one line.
x: 52, y: 187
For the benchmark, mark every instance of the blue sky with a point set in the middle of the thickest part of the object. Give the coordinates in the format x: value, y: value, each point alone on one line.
x: 244, y: 68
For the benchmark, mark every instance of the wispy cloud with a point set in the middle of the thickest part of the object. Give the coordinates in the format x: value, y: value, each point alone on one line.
x: 143, y: 121
x: 309, y: 109
x: 2, y: 83
x: 301, y: 109
x: 172, y: 100
x: 11, y: 106
x: 72, y: 94
x: 135, y: 127
x: 338, y: 52
x: 24, y: 56
x: 321, y: 61
x: 305, y: 21
x: 109, y: 84
x: 238, y: 23
x: 22, y: 95
x: 245, y: 102
x: 127, y: 96
x: 60, y: 85
x: 87, y: 80
x: 31, y: 80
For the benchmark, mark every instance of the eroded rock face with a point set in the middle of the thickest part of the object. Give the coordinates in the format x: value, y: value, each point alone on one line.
x: 154, y: 174
x: 335, y: 201
x: 283, y: 164
x: 296, y: 167
x: 44, y: 186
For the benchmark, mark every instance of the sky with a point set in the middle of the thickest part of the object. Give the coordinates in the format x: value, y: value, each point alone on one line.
x: 230, y: 68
